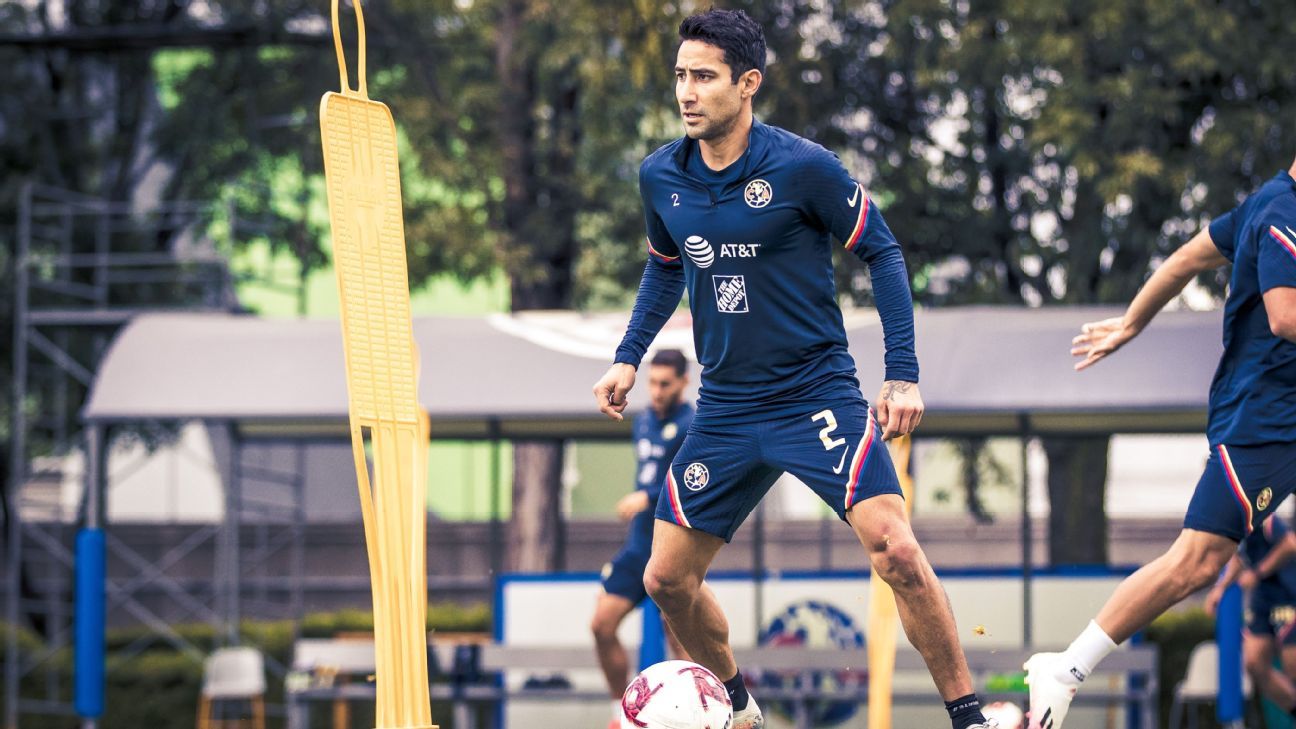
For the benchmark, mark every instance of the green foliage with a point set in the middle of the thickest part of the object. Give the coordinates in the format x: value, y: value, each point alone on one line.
x: 158, y: 687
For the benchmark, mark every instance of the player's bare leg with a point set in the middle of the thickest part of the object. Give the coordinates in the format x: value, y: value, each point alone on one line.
x: 609, y: 611
x: 1288, y: 658
x: 673, y: 578
x: 883, y: 529
x: 673, y: 645
x: 1191, y: 564
x: 1257, y: 656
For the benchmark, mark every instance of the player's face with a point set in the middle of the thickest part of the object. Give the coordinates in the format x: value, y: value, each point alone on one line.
x: 709, y: 100
x: 665, y: 388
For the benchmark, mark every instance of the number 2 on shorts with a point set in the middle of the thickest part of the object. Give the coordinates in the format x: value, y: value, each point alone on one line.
x: 830, y: 424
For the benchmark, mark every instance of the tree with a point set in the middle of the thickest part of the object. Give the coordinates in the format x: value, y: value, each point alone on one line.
x: 1038, y: 153
x: 1089, y: 140
x: 548, y: 121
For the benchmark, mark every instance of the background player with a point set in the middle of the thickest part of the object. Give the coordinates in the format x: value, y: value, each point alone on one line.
x: 1251, y: 428
x: 1264, y: 566
x: 743, y: 214
x: 658, y: 433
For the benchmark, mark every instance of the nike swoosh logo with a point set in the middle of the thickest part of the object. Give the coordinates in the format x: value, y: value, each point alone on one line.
x: 854, y: 198
x: 842, y: 462
x: 1289, y: 230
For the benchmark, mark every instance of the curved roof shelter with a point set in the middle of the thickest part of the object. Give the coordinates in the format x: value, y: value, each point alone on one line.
x: 985, y: 370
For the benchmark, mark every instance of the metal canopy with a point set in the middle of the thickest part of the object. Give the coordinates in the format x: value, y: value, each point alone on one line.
x: 529, y: 375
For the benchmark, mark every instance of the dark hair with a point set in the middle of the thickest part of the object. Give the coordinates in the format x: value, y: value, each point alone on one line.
x: 733, y: 32
x: 671, y: 358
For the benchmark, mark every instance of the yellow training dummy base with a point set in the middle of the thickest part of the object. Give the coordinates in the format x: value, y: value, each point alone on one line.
x: 365, y: 210
x: 883, y: 618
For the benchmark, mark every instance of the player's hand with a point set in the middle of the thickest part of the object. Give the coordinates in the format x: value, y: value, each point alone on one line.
x: 1248, y: 579
x: 1212, y: 601
x: 631, y: 504
x: 610, y: 391
x: 899, y: 408
x: 1097, y: 339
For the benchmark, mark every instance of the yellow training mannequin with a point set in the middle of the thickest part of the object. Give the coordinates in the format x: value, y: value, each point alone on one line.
x: 883, y: 618
x: 363, y: 180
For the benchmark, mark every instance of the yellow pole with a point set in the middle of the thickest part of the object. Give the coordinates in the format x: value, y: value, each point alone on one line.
x: 883, y: 618
x: 363, y: 180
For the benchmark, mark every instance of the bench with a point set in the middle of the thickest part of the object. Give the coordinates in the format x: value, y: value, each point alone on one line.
x: 1132, y: 675
x: 1138, y: 663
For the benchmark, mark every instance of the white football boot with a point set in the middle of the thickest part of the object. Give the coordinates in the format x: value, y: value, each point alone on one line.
x: 1050, y: 695
x: 748, y: 718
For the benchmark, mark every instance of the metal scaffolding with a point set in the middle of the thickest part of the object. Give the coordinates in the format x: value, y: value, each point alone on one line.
x: 84, y: 267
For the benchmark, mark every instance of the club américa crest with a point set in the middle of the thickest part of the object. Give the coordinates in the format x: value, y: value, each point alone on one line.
x: 758, y: 193
x: 696, y: 476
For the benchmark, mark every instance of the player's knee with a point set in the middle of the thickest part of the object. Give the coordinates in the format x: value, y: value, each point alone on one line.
x: 668, y: 588
x: 900, y: 562
x: 604, y: 630
x: 1189, y: 577
x: 1197, y: 560
x: 1195, y: 576
x: 1254, y: 665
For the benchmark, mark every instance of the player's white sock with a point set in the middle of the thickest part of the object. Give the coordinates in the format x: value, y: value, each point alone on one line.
x: 616, y: 708
x: 1085, y: 653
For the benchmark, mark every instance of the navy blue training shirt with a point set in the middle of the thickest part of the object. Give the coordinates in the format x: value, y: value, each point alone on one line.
x: 752, y: 245
x: 1281, y: 585
x: 1253, y: 396
x: 656, y: 441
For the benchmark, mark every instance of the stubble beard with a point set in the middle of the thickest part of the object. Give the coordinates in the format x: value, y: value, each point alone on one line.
x: 715, y: 130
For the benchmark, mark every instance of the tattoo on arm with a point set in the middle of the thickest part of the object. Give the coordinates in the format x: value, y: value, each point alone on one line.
x: 894, y: 387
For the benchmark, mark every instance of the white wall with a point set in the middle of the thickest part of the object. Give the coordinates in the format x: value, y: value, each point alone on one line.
x: 988, y: 611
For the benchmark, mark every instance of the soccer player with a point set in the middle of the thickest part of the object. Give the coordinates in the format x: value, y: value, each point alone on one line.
x: 1251, y: 425
x: 658, y: 433
x: 742, y: 215
x: 1264, y: 566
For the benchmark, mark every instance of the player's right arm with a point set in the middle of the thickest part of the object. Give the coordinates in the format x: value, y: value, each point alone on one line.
x: 1101, y: 338
x: 659, y: 293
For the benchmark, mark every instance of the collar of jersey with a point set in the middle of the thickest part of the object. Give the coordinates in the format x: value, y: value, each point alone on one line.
x: 757, y: 146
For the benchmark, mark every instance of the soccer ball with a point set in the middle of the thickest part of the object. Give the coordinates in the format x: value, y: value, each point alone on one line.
x: 1007, y: 714
x: 676, y: 695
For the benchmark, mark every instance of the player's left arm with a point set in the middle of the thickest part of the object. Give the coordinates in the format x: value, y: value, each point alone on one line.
x: 837, y: 203
x: 1277, y: 271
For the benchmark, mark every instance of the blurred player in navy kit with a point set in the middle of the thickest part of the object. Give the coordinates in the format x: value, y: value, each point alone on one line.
x: 743, y: 215
x: 1263, y: 565
x: 1251, y: 425
x: 658, y: 433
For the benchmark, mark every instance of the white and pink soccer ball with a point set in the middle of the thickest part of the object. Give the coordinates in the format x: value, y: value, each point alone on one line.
x: 1006, y: 713
x: 676, y: 695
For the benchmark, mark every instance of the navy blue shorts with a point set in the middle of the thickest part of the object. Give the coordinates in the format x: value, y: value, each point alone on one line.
x: 1241, y: 487
x: 1266, y: 617
x: 721, y: 472
x: 624, y: 575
